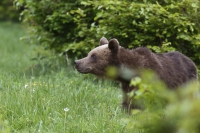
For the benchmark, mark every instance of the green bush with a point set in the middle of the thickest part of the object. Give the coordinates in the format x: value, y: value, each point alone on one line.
x: 76, y: 27
x: 8, y: 11
x: 165, y: 110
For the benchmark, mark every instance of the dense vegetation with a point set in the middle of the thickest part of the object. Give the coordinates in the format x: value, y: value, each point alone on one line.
x: 165, y: 111
x: 9, y: 12
x: 76, y: 27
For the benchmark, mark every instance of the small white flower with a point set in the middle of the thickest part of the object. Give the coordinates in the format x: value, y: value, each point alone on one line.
x: 66, y: 109
x: 25, y: 86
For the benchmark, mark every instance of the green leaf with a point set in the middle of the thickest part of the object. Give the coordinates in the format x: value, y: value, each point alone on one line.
x: 135, y: 81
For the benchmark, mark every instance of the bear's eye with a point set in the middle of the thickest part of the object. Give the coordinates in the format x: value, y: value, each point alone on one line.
x: 93, y: 56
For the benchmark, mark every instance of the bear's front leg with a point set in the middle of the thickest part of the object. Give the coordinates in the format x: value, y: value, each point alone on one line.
x: 127, y: 104
x: 127, y: 100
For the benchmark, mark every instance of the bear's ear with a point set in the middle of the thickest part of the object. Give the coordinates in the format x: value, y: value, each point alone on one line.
x: 103, y: 41
x: 113, y: 45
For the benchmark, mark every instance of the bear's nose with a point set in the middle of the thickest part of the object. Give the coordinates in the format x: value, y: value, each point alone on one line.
x: 75, y: 63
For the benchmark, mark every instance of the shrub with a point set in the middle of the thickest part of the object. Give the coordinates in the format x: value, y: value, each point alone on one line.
x: 76, y: 27
x: 8, y: 12
x: 165, y: 110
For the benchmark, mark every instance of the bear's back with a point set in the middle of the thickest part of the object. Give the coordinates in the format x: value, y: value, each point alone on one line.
x: 176, y: 68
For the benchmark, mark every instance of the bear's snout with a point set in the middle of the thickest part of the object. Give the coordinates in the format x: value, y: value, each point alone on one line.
x: 82, y: 66
x: 75, y: 63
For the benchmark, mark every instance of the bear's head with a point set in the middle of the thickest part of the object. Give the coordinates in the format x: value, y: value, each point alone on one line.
x: 99, y: 58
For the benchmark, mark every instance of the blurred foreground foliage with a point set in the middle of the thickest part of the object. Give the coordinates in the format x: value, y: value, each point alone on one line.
x: 166, y: 111
x: 77, y: 26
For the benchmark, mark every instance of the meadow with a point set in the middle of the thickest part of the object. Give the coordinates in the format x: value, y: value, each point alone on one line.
x: 61, y: 101
x: 39, y: 96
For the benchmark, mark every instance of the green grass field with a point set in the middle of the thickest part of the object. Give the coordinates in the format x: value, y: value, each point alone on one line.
x: 62, y: 101
x: 46, y: 98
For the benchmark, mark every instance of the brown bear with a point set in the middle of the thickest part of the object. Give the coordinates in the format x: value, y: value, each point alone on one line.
x: 173, y: 68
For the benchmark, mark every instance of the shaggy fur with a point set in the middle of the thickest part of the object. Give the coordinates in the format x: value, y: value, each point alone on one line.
x: 173, y: 68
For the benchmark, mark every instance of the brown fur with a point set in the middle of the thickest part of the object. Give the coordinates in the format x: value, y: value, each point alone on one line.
x: 173, y: 68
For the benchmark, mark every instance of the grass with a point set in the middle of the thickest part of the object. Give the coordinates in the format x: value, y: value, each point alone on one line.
x: 62, y: 101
